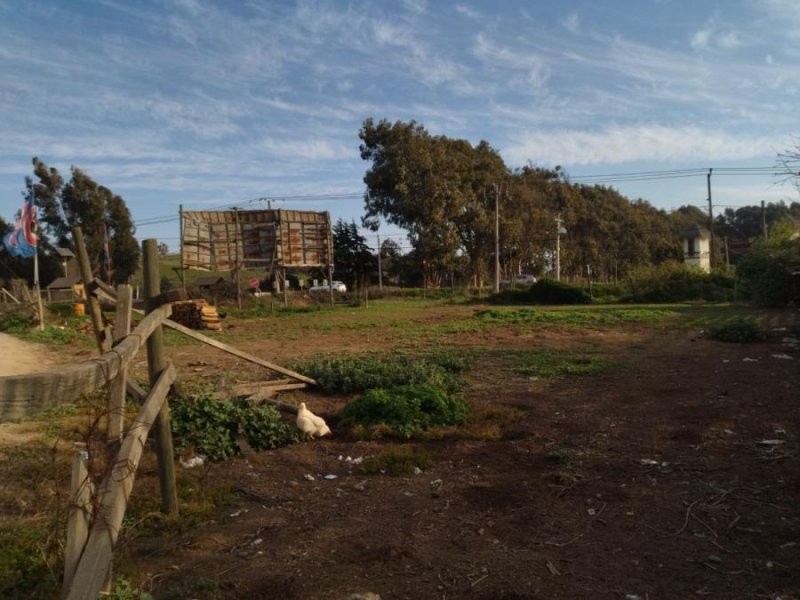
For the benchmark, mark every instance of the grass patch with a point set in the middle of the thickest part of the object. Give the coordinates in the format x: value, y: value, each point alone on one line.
x: 588, y: 317
x: 397, y: 462
x: 543, y: 363
x: 351, y: 374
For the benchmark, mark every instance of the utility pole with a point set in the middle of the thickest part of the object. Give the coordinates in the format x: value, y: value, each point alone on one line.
x: 558, y: 247
x: 496, y: 239
x: 380, y: 270
x: 710, y: 222
x: 764, y: 220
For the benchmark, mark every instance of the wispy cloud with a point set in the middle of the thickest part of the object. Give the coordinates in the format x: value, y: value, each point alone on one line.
x: 616, y: 145
x: 572, y: 23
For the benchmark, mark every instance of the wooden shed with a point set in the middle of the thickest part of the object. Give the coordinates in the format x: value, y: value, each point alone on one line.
x: 66, y: 289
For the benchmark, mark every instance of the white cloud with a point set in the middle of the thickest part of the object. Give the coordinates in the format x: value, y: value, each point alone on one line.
x: 620, y: 144
x: 718, y: 34
x: 468, y: 12
x: 572, y: 23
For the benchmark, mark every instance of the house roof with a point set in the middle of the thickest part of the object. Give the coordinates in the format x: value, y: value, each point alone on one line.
x: 696, y: 231
x: 65, y: 253
x: 63, y: 283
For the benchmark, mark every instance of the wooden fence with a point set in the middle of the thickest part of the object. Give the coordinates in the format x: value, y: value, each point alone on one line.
x: 89, y: 549
x: 96, y: 514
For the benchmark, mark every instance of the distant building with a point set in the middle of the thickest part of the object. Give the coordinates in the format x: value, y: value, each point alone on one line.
x: 697, y: 247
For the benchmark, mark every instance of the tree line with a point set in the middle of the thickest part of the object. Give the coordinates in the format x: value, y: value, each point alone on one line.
x: 444, y: 191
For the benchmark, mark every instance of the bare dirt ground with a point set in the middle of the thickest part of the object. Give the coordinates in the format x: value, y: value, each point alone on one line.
x: 674, y: 474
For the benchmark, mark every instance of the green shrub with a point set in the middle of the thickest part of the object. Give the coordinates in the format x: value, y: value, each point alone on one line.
x: 210, y: 427
x: 544, y: 291
x: 405, y: 409
x: 742, y: 330
x: 676, y: 282
x: 264, y: 429
x: 351, y: 374
x: 766, y: 271
x: 396, y: 462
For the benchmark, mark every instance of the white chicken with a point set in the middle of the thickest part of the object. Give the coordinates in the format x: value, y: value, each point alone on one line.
x: 310, y: 424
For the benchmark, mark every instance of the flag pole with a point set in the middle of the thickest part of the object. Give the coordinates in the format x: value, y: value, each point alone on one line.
x: 36, y: 289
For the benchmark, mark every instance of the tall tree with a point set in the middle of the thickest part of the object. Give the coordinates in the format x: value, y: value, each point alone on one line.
x: 353, y: 258
x: 432, y: 186
x: 81, y: 202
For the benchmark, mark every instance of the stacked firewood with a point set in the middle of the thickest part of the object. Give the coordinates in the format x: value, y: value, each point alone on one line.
x: 196, y: 314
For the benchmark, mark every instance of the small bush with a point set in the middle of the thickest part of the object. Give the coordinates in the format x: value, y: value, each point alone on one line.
x: 405, y: 409
x: 396, y: 462
x: 544, y: 291
x: 740, y: 331
x: 210, y: 427
x: 357, y: 374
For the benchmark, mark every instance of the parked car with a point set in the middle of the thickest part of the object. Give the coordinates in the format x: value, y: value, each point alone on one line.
x: 521, y: 279
x: 337, y: 286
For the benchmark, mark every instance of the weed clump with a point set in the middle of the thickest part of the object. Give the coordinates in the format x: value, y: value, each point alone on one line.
x: 742, y: 330
x: 396, y: 462
x: 405, y: 410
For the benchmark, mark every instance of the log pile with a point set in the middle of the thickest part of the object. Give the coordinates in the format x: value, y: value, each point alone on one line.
x: 196, y: 314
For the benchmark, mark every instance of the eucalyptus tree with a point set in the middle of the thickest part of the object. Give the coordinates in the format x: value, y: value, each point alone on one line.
x: 102, y: 216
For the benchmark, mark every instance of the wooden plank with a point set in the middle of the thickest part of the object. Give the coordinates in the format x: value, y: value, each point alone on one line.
x: 22, y: 395
x: 117, y: 487
x: 271, y: 387
x: 236, y: 352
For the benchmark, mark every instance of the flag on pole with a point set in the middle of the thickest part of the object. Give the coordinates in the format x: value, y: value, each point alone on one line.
x: 22, y: 240
x: 106, y: 254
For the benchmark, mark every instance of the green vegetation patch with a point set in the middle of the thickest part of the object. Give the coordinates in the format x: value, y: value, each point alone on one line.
x: 740, y: 330
x: 397, y: 462
x: 351, y: 374
x: 211, y: 427
x: 589, y: 317
x: 545, y: 291
x: 675, y: 282
x: 29, y: 558
x: 405, y: 410
x: 546, y: 364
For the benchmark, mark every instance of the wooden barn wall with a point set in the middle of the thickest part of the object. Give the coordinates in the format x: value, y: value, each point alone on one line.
x: 255, y: 239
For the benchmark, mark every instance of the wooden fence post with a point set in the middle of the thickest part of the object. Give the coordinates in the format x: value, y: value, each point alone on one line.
x: 101, y: 333
x: 78, y: 519
x: 156, y: 363
x: 116, y: 396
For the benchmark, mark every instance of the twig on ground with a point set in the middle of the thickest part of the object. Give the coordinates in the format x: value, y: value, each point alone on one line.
x: 685, y: 521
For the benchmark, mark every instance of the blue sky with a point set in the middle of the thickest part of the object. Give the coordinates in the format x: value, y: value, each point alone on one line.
x: 207, y: 104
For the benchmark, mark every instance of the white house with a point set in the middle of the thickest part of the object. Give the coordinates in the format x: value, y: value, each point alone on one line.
x: 697, y: 247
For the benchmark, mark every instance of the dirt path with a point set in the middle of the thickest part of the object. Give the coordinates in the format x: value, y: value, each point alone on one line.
x: 18, y: 357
